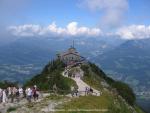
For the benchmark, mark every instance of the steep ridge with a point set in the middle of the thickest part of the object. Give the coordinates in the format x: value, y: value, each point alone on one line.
x: 114, y: 96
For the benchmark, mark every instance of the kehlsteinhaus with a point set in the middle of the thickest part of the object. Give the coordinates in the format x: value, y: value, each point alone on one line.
x: 71, y: 57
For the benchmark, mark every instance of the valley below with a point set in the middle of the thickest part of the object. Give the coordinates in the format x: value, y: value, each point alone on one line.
x: 18, y: 73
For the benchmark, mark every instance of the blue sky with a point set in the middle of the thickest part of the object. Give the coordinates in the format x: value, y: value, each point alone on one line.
x: 60, y: 11
x: 64, y: 11
x: 107, y: 15
x: 139, y: 12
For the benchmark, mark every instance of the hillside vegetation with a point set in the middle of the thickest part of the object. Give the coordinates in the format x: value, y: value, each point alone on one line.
x: 50, y: 76
x: 5, y: 84
x: 96, y: 74
x: 116, y: 97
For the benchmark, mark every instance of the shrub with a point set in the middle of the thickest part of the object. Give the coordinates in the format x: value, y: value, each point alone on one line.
x: 125, y: 91
x: 51, y: 75
x: 11, y: 109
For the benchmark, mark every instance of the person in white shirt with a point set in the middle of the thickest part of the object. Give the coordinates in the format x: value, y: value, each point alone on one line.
x: 1, y: 95
x: 20, y: 92
x: 4, y: 99
x: 9, y: 92
x: 29, y: 94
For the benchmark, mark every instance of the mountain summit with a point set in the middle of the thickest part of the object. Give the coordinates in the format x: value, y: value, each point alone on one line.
x: 72, y: 77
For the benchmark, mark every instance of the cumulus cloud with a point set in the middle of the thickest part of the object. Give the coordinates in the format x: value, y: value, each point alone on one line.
x: 112, y: 11
x: 134, y: 32
x: 72, y: 29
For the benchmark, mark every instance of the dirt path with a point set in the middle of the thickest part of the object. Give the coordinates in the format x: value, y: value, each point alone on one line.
x: 80, y: 83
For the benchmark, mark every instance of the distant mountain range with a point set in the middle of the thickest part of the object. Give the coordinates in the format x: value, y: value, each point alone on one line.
x: 129, y: 62
x: 40, y: 50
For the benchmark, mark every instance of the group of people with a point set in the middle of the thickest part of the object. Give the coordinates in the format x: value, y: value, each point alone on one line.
x: 88, y: 90
x: 15, y: 94
x: 32, y: 92
x: 75, y: 92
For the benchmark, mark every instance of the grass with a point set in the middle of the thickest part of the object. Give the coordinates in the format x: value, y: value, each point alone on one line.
x: 54, y: 97
x: 93, y: 82
x: 11, y: 109
x: 88, y: 103
x: 70, y: 82
x: 104, y: 102
x: 107, y: 100
x: 138, y: 109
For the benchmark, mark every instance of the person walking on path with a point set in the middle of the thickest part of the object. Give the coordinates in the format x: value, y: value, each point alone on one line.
x: 76, y: 91
x: 17, y: 95
x: 55, y: 89
x: 9, y: 92
x: 86, y: 91
x: 1, y: 95
x: 20, y: 92
x: 34, y: 92
x: 4, y: 98
x: 29, y: 94
x: 72, y: 91
x: 12, y: 95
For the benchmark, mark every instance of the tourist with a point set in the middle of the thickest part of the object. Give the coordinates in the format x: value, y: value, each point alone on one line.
x: 17, y: 94
x: 37, y: 94
x: 76, y: 91
x: 34, y: 93
x: 13, y: 93
x: 72, y: 91
x: 4, y: 97
x: 55, y: 89
x: 26, y: 92
x: 91, y: 90
x: 1, y: 95
x: 20, y: 92
x: 9, y: 92
x: 29, y: 94
x: 86, y: 91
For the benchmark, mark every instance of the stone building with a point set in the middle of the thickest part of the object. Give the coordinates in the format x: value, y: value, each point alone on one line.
x: 71, y: 56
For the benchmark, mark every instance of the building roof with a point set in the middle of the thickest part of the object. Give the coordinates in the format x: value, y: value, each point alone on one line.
x: 71, y: 50
x: 72, y: 54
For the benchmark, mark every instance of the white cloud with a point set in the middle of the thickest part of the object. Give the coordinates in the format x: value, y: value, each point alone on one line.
x: 134, y: 32
x: 112, y: 11
x: 71, y: 29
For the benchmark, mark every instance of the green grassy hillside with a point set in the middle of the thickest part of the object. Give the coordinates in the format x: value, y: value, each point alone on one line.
x: 51, y: 75
x: 116, y: 97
